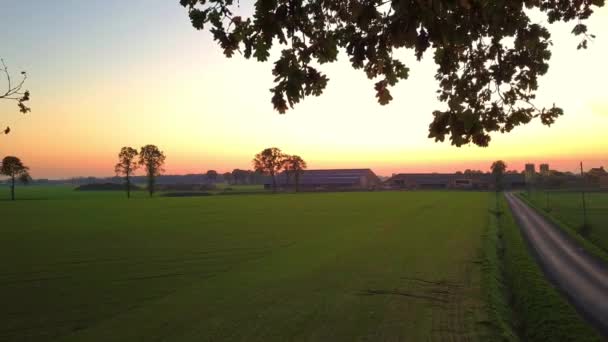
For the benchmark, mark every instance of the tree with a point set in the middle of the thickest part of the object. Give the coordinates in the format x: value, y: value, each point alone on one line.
x: 286, y: 169
x: 489, y: 54
x: 295, y: 165
x: 152, y: 159
x: 256, y: 177
x: 239, y: 176
x: 498, y: 170
x: 242, y: 176
x: 269, y: 162
x: 212, y: 175
x: 15, y: 92
x: 126, y: 166
x: 227, y: 176
x: 14, y: 168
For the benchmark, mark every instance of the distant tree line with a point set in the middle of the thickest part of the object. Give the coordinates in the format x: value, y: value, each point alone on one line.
x: 244, y: 177
x: 237, y: 177
x: 469, y: 172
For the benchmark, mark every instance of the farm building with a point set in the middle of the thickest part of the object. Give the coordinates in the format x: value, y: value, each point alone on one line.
x: 604, y: 182
x: 597, y: 177
x: 336, y: 179
x: 453, y: 181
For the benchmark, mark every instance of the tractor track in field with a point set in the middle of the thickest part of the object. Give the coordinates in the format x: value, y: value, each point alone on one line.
x: 581, y: 277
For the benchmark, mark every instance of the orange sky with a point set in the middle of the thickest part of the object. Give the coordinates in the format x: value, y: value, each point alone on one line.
x: 133, y: 73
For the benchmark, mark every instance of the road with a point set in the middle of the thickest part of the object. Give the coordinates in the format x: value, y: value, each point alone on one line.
x: 580, y: 276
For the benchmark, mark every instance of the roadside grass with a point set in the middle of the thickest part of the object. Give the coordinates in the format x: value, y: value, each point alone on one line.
x: 324, y: 267
x: 498, y: 295
x: 566, y: 206
x: 565, y: 215
x: 542, y: 313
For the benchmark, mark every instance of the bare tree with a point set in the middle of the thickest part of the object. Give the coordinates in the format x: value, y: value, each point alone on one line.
x: 14, y: 91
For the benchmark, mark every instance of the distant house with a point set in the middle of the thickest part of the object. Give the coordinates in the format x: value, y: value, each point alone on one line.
x: 544, y: 169
x: 332, y: 179
x: 598, y: 177
x: 597, y: 172
x: 453, y: 181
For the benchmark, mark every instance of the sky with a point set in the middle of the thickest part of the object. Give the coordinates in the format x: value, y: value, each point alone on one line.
x: 107, y: 74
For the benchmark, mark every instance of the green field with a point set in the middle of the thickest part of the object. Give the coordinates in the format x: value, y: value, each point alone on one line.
x: 66, y: 192
x: 62, y: 192
x: 567, y: 207
x: 341, y: 266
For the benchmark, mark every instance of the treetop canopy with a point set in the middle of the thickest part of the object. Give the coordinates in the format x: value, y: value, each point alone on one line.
x: 489, y: 53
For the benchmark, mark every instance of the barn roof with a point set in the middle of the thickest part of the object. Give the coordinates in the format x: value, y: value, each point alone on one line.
x: 328, y: 177
x: 598, y: 171
x: 443, y: 178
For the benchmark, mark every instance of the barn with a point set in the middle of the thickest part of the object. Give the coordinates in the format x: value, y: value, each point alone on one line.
x: 453, y: 181
x: 330, y: 179
x: 603, y: 182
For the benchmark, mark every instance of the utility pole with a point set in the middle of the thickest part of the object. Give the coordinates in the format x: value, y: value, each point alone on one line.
x: 583, y: 197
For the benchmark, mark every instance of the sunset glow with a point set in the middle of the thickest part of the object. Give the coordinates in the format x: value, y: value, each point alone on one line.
x: 129, y: 73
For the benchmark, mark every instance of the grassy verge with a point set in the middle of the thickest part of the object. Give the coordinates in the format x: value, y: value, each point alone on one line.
x: 543, y: 314
x: 588, y: 245
x: 567, y: 207
x: 496, y: 292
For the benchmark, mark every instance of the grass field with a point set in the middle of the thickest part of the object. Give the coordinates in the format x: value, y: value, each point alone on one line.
x: 62, y: 192
x: 67, y: 192
x: 567, y: 207
x: 342, y: 266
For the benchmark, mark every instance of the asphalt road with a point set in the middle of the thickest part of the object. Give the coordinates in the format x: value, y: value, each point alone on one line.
x: 580, y: 276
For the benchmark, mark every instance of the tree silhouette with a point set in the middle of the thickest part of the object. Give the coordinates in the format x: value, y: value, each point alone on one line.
x: 14, y: 91
x: 212, y: 175
x: 227, y: 176
x: 498, y: 170
x: 241, y: 176
x: 152, y: 159
x: 294, y: 165
x: 14, y: 168
x: 126, y: 166
x: 489, y: 54
x: 269, y: 162
x: 286, y: 169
